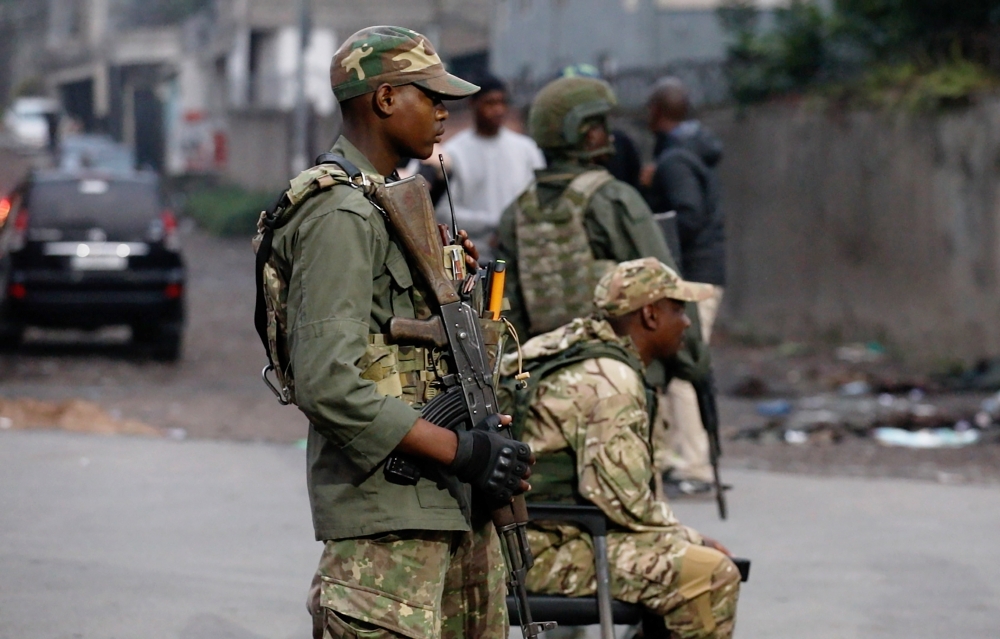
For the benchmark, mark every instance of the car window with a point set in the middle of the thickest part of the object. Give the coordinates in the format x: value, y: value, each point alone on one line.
x: 104, y: 201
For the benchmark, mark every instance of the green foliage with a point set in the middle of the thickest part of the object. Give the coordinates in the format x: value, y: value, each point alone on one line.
x: 227, y: 210
x: 908, y: 87
x: 912, y: 54
x: 891, y: 28
x: 786, y: 58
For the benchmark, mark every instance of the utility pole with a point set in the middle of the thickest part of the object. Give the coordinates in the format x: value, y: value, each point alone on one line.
x: 300, y: 146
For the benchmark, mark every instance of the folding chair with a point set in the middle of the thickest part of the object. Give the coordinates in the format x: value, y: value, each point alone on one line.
x: 601, y: 609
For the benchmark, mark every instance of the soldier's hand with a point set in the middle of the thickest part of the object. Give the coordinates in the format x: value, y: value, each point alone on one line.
x: 493, y: 463
x: 471, y: 252
x: 711, y: 543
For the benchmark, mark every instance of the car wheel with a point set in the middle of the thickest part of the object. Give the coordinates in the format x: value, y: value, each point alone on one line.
x: 11, y: 336
x: 163, y: 340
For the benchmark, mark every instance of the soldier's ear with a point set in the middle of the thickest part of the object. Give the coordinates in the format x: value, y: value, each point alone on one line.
x: 384, y: 100
x: 650, y: 317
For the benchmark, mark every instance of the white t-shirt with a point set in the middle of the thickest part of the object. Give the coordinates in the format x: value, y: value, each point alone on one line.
x: 487, y: 174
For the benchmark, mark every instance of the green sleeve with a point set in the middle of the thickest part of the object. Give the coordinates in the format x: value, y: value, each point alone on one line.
x: 507, y: 251
x: 621, y: 227
x: 337, y: 255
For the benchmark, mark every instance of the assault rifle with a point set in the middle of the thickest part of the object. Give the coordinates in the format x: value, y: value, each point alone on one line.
x: 705, y: 389
x: 470, y: 395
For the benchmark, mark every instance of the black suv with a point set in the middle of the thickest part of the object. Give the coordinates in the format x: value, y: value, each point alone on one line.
x: 90, y: 250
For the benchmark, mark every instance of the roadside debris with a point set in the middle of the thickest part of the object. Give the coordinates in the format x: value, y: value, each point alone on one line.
x: 855, y: 411
x: 926, y: 438
x: 75, y: 415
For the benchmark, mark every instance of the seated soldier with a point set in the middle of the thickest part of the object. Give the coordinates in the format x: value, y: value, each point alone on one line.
x: 586, y: 415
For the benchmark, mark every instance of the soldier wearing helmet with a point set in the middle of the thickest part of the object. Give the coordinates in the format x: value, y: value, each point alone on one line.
x: 575, y: 221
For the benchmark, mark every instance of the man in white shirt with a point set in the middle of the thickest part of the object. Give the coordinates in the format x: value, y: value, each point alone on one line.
x: 490, y: 165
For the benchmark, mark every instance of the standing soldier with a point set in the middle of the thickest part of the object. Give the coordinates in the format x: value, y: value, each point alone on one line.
x: 683, y: 181
x: 398, y: 560
x: 576, y: 221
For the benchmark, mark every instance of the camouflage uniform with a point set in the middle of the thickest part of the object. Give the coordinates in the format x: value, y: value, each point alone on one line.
x: 596, y: 412
x: 398, y: 561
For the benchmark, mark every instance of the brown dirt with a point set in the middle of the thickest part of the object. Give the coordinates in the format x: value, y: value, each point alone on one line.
x: 75, y: 415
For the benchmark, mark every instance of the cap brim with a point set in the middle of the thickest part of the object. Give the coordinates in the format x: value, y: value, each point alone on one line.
x: 692, y: 292
x: 448, y: 86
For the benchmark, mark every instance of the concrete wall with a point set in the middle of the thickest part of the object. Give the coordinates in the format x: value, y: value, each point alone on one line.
x: 534, y: 40
x: 861, y: 225
x: 260, y: 147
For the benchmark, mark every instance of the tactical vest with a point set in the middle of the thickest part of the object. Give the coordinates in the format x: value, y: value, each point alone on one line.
x: 558, y: 271
x: 410, y: 373
x: 553, y: 476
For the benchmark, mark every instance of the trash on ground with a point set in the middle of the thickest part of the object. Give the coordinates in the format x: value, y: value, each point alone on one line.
x: 984, y: 376
x: 926, y: 438
x: 750, y: 386
x: 854, y: 412
x: 75, y: 415
x: 860, y: 353
x: 774, y: 408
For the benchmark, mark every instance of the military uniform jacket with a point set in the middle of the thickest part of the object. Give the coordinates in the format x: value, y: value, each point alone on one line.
x: 596, y: 410
x: 347, y: 277
x: 619, y: 227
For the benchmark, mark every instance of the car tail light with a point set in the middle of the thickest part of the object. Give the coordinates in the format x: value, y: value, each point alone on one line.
x: 173, y: 291
x: 171, y: 238
x: 4, y: 211
x: 20, y: 231
x: 17, y: 291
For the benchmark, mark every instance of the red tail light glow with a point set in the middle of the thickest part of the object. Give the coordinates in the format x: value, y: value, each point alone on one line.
x: 173, y: 291
x: 21, y: 221
x: 17, y: 291
x: 20, y: 234
x: 171, y: 238
x: 169, y: 222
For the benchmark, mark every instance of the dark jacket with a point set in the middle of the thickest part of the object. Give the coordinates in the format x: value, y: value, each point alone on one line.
x: 626, y: 163
x: 685, y: 181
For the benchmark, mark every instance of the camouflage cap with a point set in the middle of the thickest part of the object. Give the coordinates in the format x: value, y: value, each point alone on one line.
x: 394, y: 56
x: 633, y: 284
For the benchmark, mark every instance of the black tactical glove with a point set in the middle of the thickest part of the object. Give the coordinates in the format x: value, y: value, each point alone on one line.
x: 490, y: 461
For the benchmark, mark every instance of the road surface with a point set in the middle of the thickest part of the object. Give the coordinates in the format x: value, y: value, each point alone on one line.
x: 124, y: 537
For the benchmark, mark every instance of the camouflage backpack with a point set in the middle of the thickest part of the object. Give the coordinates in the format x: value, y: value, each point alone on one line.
x: 558, y: 271
x: 270, y: 314
x: 553, y: 476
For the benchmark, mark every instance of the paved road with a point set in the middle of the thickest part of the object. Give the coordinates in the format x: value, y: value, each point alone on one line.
x: 117, y: 537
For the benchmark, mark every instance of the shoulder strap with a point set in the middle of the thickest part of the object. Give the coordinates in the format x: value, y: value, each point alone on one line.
x: 266, y: 224
x: 543, y: 367
x: 350, y: 169
x: 588, y: 183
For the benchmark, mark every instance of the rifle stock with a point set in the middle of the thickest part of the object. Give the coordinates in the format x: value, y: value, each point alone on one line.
x: 408, y: 206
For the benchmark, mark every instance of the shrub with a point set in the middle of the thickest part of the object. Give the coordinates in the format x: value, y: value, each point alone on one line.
x: 227, y: 210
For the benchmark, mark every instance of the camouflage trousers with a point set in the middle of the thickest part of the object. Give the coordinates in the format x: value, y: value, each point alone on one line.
x: 416, y: 584
x: 693, y: 587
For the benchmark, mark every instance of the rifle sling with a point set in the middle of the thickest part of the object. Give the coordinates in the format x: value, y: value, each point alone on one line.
x: 265, y: 249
